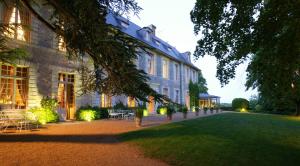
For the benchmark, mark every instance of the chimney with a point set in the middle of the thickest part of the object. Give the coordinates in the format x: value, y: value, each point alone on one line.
x: 152, y: 28
x: 187, y: 55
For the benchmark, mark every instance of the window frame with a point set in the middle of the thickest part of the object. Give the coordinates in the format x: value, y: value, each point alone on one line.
x: 14, y: 28
x: 165, y: 68
x: 14, y: 79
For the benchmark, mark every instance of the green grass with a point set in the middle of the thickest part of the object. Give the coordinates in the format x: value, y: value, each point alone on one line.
x: 227, y: 139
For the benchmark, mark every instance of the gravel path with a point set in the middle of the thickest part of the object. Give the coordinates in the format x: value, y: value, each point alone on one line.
x: 77, y: 143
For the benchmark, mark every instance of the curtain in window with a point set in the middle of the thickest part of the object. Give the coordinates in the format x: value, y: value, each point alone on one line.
x: 25, y: 22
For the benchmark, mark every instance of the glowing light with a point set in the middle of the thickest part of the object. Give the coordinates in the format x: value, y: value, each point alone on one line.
x: 87, y: 115
x: 146, y: 113
x: 13, y: 29
x: 163, y: 111
x: 244, y: 110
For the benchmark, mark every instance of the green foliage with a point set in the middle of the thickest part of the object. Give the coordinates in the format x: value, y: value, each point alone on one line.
x: 258, y: 108
x: 89, y: 113
x: 195, y: 89
x: 120, y: 106
x: 240, y: 103
x: 139, y: 112
x: 49, y: 103
x: 44, y: 115
x: 184, y: 109
x: 253, y: 101
x: 161, y: 109
x: 264, y: 32
x: 170, y: 109
x: 8, y: 54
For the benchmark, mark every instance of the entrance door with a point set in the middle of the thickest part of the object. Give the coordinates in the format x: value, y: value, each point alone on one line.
x: 66, y: 95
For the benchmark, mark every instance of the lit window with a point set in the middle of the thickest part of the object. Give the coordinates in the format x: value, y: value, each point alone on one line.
x: 176, y: 72
x: 66, y: 95
x: 13, y: 87
x: 166, y: 91
x: 106, y: 101
x: 165, y: 68
x: 17, y: 20
x: 61, y: 44
x: 177, y: 96
x: 150, y: 64
x: 131, y: 102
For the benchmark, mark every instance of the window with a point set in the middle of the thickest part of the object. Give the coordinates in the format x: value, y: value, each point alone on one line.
x: 147, y: 36
x: 150, y: 64
x: 176, y: 96
x: 61, y: 44
x: 131, y: 102
x: 176, y: 72
x: 17, y: 21
x: 166, y: 91
x: 66, y: 95
x: 124, y: 24
x: 187, y: 75
x: 14, y: 87
x: 157, y: 43
x: 106, y: 101
x: 165, y: 68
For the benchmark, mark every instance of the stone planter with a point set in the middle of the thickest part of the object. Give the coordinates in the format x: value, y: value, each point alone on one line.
x: 138, y: 122
x: 184, y: 115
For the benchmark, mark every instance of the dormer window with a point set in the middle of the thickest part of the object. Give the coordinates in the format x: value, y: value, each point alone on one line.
x: 17, y: 21
x: 61, y: 44
x: 124, y: 24
x: 147, y: 36
x: 157, y: 42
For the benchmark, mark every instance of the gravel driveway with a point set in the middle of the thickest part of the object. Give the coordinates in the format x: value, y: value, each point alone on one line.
x: 77, y: 143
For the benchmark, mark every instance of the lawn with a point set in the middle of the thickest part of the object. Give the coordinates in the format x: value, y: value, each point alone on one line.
x: 225, y: 139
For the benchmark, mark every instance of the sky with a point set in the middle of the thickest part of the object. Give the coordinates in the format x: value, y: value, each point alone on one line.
x: 172, y: 19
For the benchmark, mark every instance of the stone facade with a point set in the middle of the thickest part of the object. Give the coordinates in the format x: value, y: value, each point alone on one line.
x: 49, y: 71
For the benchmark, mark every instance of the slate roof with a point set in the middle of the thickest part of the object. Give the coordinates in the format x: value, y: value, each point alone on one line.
x: 207, y: 96
x: 134, y: 31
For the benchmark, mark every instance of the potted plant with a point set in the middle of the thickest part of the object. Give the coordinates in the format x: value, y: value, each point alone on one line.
x: 139, y: 114
x: 170, y: 111
x: 184, y: 110
x: 197, y: 109
x: 211, y: 110
x: 205, y: 110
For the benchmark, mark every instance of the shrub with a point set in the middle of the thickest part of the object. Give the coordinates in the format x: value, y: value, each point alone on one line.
x: 239, y: 104
x: 49, y: 103
x: 120, y: 106
x: 139, y: 112
x: 161, y: 110
x: 184, y: 109
x: 89, y: 113
x: 170, y: 109
x: 258, y: 108
x: 44, y: 115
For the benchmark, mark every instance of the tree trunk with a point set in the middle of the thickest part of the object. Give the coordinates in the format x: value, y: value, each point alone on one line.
x: 169, y: 116
x: 298, y: 108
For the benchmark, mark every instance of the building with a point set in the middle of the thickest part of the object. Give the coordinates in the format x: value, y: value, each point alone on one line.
x: 48, y: 72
